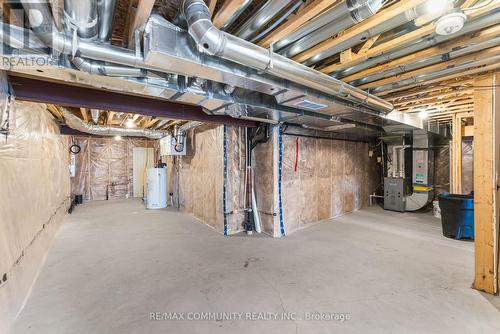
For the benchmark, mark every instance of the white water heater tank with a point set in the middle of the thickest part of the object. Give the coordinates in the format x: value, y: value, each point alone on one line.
x: 157, y: 188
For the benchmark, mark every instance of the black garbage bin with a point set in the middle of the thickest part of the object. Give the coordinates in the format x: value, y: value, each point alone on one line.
x: 457, y: 215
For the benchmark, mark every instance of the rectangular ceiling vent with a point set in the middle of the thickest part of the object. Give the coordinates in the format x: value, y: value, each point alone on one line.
x: 310, y: 105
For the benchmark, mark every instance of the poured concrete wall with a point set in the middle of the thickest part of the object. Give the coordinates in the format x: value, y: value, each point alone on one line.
x: 34, y: 198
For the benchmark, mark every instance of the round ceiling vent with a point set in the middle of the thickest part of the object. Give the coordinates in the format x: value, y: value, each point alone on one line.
x: 450, y: 23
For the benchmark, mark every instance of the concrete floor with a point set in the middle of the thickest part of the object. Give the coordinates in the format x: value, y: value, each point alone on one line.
x: 113, y: 263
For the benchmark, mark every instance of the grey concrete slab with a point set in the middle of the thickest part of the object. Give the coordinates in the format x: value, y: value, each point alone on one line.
x: 113, y: 263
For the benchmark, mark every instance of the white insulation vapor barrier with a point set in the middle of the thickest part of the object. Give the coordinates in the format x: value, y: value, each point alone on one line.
x: 104, y: 166
x: 34, y: 198
x: 197, y: 179
x: 321, y: 179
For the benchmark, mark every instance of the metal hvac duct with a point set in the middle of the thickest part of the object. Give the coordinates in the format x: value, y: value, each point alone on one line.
x: 78, y: 124
x: 215, y: 42
x: 470, y: 26
x: 265, y: 13
x: 81, y: 17
x: 436, y: 74
x: 337, y: 11
x: 431, y: 60
x: 387, y: 25
x: 236, y: 14
x: 80, y: 11
x: 106, y: 11
x: 95, y: 114
x: 333, y: 28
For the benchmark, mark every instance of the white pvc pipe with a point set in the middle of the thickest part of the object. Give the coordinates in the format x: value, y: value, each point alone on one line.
x: 256, y: 215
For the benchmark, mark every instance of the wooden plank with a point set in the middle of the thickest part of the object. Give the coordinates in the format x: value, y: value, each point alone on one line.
x: 211, y: 6
x: 85, y: 115
x: 346, y: 56
x: 485, y: 221
x: 469, y: 39
x: 294, y: 22
x: 142, y: 13
x: 405, y: 39
x: 434, y: 68
x: 445, y: 78
x: 109, y: 119
x: 368, y: 44
x: 456, y: 162
x: 229, y: 7
x: 367, y: 24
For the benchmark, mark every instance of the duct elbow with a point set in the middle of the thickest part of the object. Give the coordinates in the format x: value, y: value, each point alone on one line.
x: 210, y: 39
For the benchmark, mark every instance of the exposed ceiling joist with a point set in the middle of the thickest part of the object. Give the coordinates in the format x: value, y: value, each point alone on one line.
x: 308, y: 12
x: 228, y: 9
x: 367, y: 24
x: 142, y: 13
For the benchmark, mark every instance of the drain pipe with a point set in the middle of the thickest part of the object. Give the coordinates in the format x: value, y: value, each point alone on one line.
x: 215, y: 42
x: 78, y: 124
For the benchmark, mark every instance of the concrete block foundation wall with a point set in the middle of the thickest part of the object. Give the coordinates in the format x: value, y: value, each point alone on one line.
x: 34, y: 198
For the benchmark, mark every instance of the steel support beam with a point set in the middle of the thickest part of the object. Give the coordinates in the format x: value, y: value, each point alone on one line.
x: 26, y: 89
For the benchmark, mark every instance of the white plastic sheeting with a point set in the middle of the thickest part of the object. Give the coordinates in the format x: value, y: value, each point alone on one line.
x: 34, y: 198
x: 104, y: 167
x: 196, y: 180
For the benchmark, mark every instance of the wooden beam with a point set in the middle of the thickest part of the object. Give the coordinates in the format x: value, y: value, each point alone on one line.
x: 433, y: 95
x: 85, y: 115
x: 365, y: 25
x: 211, y: 6
x: 405, y: 39
x: 346, y: 56
x: 434, y: 68
x: 485, y: 184
x: 110, y: 116
x: 294, y: 22
x: 473, y: 71
x: 469, y: 39
x: 368, y: 44
x: 456, y: 161
x: 229, y: 7
x: 142, y: 13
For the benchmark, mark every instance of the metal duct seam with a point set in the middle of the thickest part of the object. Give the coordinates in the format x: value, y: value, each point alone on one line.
x: 333, y: 28
x: 106, y: 9
x: 470, y: 26
x: 387, y: 25
x: 265, y: 13
x: 215, y: 42
x: 93, y: 67
x: 77, y: 123
x: 332, y: 14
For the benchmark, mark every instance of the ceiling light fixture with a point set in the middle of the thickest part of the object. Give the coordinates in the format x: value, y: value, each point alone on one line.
x: 450, y: 23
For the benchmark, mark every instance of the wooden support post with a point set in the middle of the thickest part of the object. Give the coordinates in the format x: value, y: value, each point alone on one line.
x: 486, y: 167
x: 456, y: 156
